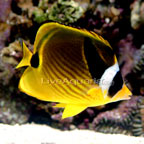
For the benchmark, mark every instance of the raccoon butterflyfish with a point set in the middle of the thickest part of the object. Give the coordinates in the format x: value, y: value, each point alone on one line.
x: 73, y: 67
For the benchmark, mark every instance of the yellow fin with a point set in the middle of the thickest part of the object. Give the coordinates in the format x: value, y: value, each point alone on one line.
x: 52, y: 26
x: 96, y: 95
x: 26, y: 57
x: 60, y: 105
x: 96, y: 37
x: 72, y: 110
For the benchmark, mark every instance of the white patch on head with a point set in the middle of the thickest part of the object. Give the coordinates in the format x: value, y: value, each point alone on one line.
x: 107, y: 77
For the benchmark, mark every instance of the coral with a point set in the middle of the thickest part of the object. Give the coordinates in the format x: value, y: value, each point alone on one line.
x: 5, y: 8
x: 12, y: 110
x: 25, y: 4
x: 137, y: 14
x: 85, y: 4
x: 43, y: 4
x: 126, y: 119
x: 61, y: 11
x: 39, y: 15
x: 5, y: 30
x: 15, y: 19
x: 103, y: 17
x: 127, y: 50
x: 65, y: 11
x: 139, y: 61
x: 108, y: 14
x: 13, y: 107
x: 9, y: 59
x: 136, y: 77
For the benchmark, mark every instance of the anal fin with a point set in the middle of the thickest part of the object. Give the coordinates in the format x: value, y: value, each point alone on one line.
x: 60, y: 105
x: 71, y: 109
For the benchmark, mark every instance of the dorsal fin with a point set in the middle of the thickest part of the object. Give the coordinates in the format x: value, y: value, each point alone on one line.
x: 26, y: 56
x: 97, y: 37
x: 48, y: 28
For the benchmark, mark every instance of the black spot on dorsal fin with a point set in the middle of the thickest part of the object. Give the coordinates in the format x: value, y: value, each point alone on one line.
x: 96, y: 64
x: 116, y: 84
x: 35, y: 60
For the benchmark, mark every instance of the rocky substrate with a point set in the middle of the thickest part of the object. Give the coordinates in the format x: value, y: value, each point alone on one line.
x: 42, y: 134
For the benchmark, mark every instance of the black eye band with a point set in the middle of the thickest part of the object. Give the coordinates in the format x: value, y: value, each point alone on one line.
x: 35, y: 60
x: 96, y: 64
x: 116, y: 85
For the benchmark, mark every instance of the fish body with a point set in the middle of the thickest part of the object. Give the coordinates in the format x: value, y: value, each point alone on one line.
x: 73, y: 67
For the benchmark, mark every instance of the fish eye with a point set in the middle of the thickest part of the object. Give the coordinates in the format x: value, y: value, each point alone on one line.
x: 35, y: 60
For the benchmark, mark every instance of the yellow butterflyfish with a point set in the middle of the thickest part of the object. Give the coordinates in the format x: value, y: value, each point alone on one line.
x: 73, y: 67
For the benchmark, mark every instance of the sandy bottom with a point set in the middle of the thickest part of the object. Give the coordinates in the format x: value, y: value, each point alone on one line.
x: 42, y: 134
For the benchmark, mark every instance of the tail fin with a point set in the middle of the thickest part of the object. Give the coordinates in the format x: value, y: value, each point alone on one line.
x: 26, y: 56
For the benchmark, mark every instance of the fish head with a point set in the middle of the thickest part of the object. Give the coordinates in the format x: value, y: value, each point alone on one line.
x: 101, y: 98
x: 123, y: 94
